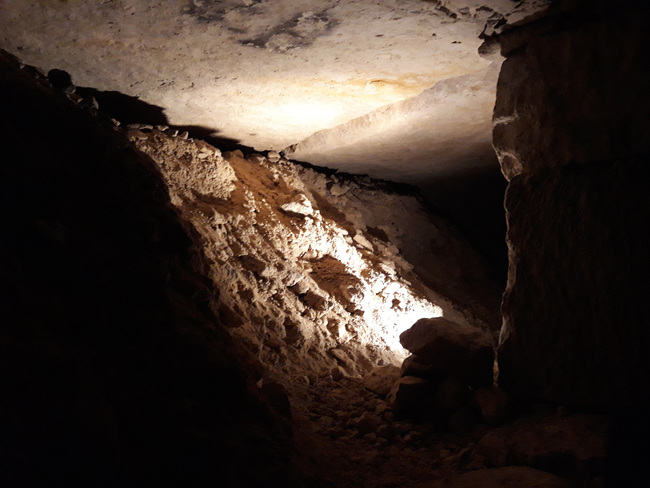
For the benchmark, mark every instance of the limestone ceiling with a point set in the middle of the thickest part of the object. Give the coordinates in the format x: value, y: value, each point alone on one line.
x: 394, y: 88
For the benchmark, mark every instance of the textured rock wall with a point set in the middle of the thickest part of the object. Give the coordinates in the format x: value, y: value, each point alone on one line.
x: 571, y: 132
x: 113, y: 370
x: 316, y: 271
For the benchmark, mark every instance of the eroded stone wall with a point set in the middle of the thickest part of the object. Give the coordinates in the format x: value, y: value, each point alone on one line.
x: 571, y: 131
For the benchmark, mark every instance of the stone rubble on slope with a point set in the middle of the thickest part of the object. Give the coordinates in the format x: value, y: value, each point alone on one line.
x: 310, y: 277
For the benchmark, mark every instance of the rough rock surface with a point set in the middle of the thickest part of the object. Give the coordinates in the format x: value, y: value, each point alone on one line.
x: 403, y: 85
x: 445, y: 129
x: 590, y: 107
x: 308, y: 265
x: 574, y: 142
x: 461, y: 351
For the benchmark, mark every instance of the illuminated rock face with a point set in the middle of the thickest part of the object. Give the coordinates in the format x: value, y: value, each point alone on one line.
x: 573, y: 140
x: 313, y: 270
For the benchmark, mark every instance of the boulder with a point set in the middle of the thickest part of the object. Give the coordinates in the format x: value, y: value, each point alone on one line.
x: 458, y: 350
x: 408, y: 394
x: 415, y: 366
x: 451, y: 394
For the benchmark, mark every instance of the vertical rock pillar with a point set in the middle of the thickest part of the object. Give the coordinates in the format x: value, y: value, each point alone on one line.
x: 572, y: 133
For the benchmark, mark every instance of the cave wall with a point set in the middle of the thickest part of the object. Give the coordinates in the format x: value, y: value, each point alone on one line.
x: 571, y: 130
x: 113, y: 370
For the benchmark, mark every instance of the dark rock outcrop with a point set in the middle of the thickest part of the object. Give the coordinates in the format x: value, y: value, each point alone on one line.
x: 573, y: 141
x: 571, y: 131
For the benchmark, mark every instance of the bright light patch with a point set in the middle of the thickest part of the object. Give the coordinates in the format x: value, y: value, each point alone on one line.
x: 311, y: 113
x: 397, y: 312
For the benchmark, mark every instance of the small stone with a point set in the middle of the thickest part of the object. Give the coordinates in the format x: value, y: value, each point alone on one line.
x: 89, y: 103
x: 341, y: 414
x: 337, y: 373
x: 338, y: 190
x: 401, y: 428
x: 444, y: 453
x: 360, y: 239
x: 136, y: 134
x: 273, y: 156
x: 276, y: 396
x: 162, y: 128
x: 61, y: 80
x: 386, y: 432
x: 299, y: 206
x: 381, y: 379
x: 369, y: 422
x: 184, y: 135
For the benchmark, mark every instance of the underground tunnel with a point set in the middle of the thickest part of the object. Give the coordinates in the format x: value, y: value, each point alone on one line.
x: 338, y: 244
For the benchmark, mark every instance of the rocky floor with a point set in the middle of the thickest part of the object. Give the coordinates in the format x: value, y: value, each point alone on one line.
x: 355, y: 440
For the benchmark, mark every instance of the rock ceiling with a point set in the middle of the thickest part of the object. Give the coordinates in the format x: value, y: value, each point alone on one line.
x: 393, y: 88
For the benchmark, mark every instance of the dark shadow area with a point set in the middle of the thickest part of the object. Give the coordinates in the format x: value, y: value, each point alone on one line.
x: 211, y: 137
x: 473, y: 201
x: 114, y: 372
x: 132, y: 110
x: 125, y: 108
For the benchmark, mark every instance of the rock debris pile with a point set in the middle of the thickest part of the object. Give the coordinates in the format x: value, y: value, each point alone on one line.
x: 312, y: 269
